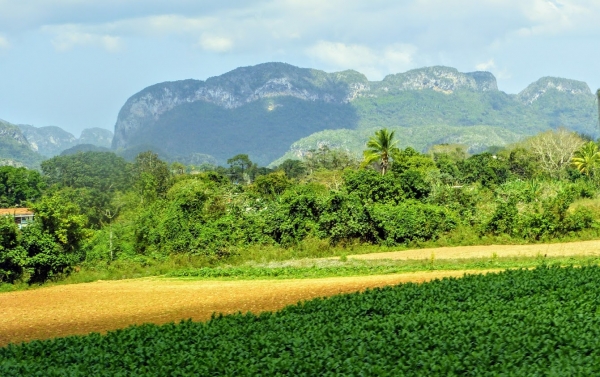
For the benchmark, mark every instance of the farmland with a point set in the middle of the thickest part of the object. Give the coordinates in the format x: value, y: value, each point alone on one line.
x: 78, y: 309
x: 521, y: 322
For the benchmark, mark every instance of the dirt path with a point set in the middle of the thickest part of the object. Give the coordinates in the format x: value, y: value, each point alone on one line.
x: 107, y: 305
x: 581, y: 248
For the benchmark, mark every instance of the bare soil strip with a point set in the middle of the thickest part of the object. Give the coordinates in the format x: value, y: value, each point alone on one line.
x: 581, y: 248
x: 108, y: 305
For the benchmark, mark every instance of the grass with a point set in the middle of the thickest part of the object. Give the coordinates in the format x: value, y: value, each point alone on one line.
x: 252, y: 261
x: 351, y: 267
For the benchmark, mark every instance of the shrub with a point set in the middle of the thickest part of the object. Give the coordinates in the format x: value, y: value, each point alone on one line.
x: 372, y: 187
x: 12, y: 255
x: 411, y: 221
x: 345, y: 217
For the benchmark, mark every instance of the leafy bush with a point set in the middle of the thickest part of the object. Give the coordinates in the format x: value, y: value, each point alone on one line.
x: 345, y: 218
x: 46, y: 258
x: 410, y: 221
x: 414, y: 185
x: 372, y: 187
x: 293, y: 216
x: 12, y: 254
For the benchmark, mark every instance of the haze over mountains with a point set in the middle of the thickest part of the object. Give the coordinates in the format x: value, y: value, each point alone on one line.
x: 26, y: 145
x: 274, y: 111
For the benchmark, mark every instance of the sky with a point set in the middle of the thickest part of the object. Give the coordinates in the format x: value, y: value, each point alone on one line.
x: 74, y: 63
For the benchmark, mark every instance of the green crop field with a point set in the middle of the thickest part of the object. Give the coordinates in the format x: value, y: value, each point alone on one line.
x: 519, y: 322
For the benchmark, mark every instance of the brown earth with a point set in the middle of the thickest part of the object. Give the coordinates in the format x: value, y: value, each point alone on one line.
x: 107, y: 305
x: 580, y: 248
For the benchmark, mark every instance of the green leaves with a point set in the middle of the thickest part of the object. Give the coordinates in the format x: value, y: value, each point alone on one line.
x: 381, y: 148
x: 518, y: 322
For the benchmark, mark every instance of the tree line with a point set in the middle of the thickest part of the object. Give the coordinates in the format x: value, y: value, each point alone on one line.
x: 96, y: 207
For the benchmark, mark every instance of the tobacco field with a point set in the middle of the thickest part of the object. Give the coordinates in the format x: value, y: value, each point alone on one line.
x: 543, y: 321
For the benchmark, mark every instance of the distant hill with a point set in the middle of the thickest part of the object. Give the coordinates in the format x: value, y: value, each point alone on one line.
x: 15, y: 150
x: 276, y: 109
x: 84, y: 148
x: 50, y: 141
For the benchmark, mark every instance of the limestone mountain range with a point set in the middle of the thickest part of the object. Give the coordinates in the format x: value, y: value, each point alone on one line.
x: 26, y: 145
x: 275, y: 109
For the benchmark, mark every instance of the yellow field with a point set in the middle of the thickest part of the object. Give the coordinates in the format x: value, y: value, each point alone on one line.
x: 581, y: 248
x: 107, y: 305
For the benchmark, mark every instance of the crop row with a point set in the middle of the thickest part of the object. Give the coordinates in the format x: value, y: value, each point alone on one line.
x: 520, y: 322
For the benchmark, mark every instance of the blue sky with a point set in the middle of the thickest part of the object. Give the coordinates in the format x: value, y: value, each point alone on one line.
x: 74, y: 63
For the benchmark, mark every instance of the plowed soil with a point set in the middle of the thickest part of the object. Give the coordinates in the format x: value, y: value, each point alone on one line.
x: 581, y: 248
x: 107, y: 305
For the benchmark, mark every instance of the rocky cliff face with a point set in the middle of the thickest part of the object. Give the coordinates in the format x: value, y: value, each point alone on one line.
x: 12, y: 132
x: 441, y: 79
x: 547, y: 84
x: 48, y: 141
x: 262, y: 110
x: 99, y: 137
x: 235, y: 89
x: 51, y: 140
x: 15, y: 150
x: 246, y: 85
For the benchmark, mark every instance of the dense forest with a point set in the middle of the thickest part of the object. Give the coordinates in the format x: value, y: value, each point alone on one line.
x: 96, y: 208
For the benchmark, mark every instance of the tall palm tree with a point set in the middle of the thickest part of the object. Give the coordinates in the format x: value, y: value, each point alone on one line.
x: 381, y: 147
x: 586, y: 159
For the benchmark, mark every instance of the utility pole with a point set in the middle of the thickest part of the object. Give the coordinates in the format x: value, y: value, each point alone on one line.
x: 110, y: 216
x: 598, y: 103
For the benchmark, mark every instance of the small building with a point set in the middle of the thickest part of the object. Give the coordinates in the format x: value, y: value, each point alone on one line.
x: 22, y: 216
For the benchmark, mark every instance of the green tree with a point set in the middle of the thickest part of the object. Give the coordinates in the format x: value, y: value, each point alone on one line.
x: 586, y: 158
x: 292, y: 168
x: 325, y: 158
x: 598, y: 103
x: 90, y: 180
x: 151, y: 176
x: 238, y: 168
x: 53, y: 242
x: 19, y: 186
x: 382, y: 148
x: 484, y: 168
x: 271, y: 185
x: 12, y: 255
x: 178, y: 168
x: 101, y: 171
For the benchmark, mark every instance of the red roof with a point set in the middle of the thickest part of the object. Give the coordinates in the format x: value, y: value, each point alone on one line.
x: 15, y: 211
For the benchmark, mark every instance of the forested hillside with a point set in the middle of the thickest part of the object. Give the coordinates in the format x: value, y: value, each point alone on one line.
x: 274, y: 109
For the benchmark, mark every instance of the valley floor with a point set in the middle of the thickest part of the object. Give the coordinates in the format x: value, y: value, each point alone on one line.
x: 108, y: 305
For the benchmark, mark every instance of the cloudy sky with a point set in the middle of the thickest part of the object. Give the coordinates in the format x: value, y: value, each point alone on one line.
x: 73, y: 63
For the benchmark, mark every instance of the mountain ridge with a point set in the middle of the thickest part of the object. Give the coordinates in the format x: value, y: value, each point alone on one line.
x: 264, y: 110
x: 272, y: 111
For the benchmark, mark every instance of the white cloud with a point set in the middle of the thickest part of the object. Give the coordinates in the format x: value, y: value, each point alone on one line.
x: 372, y: 62
x: 491, y: 66
x: 486, y: 66
x: 68, y: 37
x: 4, y: 43
x: 215, y: 43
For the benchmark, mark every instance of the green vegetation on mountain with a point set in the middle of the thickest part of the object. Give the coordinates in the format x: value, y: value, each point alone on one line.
x: 270, y: 109
x: 14, y: 148
x: 84, y: 148
x: 266, y: 128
